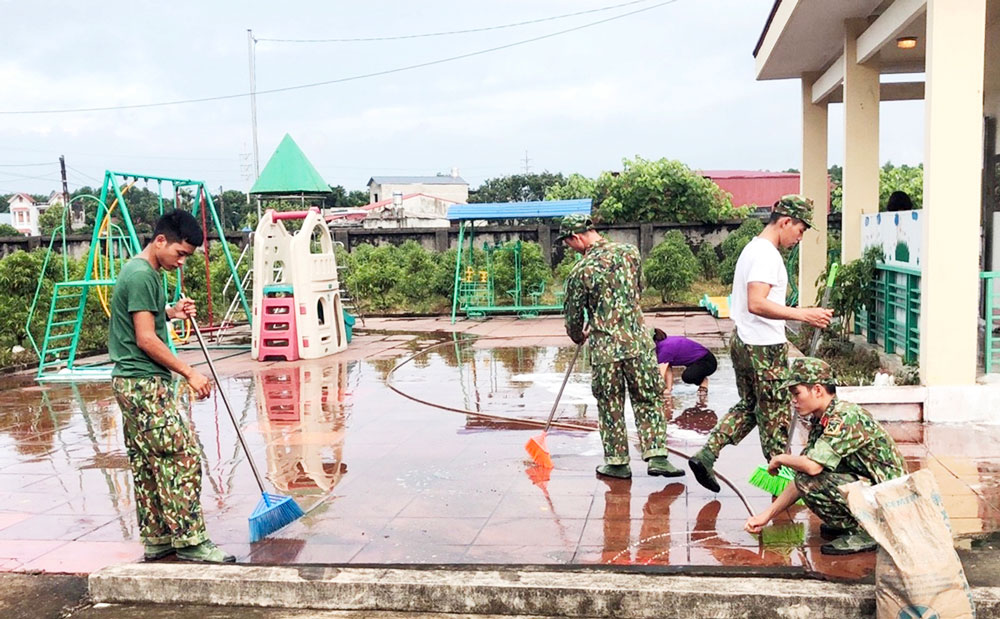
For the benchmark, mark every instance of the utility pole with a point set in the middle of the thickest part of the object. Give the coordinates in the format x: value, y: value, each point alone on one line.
x: 72, y: 215
x: 251, y: 49
x: 222, y: 210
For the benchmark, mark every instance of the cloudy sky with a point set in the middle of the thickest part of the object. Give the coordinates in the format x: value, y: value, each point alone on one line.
x: 655, y: 78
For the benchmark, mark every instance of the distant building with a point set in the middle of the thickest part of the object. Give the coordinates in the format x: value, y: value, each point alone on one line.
x: 414, y: 210
x: 446, y: 187
x: 755, y: 188
x: 25, y: 211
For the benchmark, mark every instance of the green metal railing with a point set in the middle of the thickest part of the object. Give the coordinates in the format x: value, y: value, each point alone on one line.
x: 991, y: 342
x: 894, y: 321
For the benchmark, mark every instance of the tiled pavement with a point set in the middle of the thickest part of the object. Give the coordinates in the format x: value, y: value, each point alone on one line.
x: 388, y: 480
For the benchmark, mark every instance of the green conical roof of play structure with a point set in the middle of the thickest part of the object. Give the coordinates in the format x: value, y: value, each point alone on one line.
x: 288, y: 171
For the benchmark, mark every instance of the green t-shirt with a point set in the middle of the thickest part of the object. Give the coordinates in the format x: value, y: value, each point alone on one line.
x: 138, y: 289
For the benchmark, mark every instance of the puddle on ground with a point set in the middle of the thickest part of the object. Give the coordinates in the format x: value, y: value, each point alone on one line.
x: 385, y: 479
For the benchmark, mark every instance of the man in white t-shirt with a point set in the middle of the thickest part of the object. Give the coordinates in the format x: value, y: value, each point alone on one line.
x: 758, y: 348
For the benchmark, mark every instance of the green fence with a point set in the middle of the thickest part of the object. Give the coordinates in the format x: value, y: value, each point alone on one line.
x: 893, y: 323
x: 991, y: 302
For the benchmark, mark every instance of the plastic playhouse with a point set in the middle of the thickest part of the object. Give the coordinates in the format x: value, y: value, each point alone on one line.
x: 297, y: 309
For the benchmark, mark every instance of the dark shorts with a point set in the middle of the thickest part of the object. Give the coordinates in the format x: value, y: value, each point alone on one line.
x: 700, y: 370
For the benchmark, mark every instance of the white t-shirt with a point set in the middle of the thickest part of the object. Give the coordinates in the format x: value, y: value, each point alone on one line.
x: 760, y: 261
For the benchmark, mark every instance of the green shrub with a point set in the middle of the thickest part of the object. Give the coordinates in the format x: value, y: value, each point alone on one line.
x: 734, y: 244
x: 708, y: 258
x: 671, y: 266
x: 569, y: 260
x: 533, y: 268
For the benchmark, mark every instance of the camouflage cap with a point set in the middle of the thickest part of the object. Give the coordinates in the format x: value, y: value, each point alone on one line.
x: 795, y: 206
x: 809, y: 371
x: 578, y: 223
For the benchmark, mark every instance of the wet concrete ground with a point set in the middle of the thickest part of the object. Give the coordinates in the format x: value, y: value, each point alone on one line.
x: 386, y: 479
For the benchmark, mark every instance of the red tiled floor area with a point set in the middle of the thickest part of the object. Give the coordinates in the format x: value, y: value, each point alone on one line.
x: 393, y: 478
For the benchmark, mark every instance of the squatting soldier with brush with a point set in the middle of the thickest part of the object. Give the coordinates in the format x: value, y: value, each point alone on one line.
x: 845, y: 444
x: 163, y: 451
x: 759, y: 348
x: 602, y: 307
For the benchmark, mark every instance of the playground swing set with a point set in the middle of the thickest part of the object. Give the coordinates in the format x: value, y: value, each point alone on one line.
x: 110, y: 247
x: 474, y: 289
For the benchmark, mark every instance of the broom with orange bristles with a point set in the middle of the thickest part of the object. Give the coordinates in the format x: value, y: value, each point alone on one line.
x: 536, y: 444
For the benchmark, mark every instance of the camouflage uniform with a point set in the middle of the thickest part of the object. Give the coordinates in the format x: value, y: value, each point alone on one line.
x: 759, y: 371
x: 763, y: 404
x: 848, y: 443
x: 602, y: 292
x: 162, y: 449
x: 165, y: 459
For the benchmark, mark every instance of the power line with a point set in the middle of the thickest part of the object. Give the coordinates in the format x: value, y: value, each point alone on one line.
x: 85, y: 175
x: 451, y: 32
x: 24, y: 165
x: 342, y: 79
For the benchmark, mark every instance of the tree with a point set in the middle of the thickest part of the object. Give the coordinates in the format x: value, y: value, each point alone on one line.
x: 232, y: 208
x: 515, y: 188
x: 50, y: 219
x: 661, y: 190
x: 904, y: 178
x: 575, y: 186
x: 341, y: 198
x: 734, y: 244
x: 9, y: 230
x: 671, y: 266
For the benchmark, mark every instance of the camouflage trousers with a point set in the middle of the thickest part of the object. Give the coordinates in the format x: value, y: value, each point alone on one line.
x: 820, y: 494
x: 763, y: 403
x: 641, y: 377
x: 165, y: 459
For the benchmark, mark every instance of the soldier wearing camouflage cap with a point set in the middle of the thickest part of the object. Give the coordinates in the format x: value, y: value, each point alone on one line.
x: 845, y: 444
x: 758, y: 347
x: 602, y: 308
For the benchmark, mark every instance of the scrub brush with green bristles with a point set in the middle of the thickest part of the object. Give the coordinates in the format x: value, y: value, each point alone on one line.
x: 786, y: 535
x: 772, y: 484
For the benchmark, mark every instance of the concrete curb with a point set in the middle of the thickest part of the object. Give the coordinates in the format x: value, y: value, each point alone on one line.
x: 490, y: 590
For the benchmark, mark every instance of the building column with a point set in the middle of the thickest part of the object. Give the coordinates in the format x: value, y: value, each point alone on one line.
x: 953, y: 125
x: 813, y: 184
x: 861, y: 100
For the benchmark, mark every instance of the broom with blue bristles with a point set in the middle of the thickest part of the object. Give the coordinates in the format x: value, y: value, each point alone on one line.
x: 761, y: 478
x: 273, y: 511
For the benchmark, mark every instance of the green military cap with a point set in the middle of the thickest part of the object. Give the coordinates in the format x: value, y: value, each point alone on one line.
x: 795, y: 206
x: 809, y: 371
x: 577, y: 223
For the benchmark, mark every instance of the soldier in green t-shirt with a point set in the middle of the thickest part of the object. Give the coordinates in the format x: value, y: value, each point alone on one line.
x: 602, y: 307
x: 162, y: 448
x: 845, y: 444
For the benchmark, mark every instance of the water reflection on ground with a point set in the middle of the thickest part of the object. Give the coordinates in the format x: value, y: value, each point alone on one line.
x: 387, y: 480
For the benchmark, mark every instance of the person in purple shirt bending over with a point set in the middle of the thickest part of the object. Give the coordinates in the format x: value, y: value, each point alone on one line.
x: 699, y: 362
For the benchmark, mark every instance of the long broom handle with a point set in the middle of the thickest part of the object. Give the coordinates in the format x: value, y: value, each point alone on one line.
x: 569, y: 370
x: 225, y: 400
x: 814, y: 344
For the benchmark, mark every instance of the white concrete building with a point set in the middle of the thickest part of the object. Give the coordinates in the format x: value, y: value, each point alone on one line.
x: 25, y: 211
x: 442, y: 186
x: 839, y: 51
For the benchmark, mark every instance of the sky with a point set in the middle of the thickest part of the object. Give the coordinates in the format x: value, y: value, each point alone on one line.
x: 658, y: 78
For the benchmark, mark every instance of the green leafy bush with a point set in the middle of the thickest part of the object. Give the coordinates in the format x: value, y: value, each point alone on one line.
x: 671, y: 266
x: 569, y: 260
x: 708, y: 258
x: 534, y: 270
x: 734, y: 244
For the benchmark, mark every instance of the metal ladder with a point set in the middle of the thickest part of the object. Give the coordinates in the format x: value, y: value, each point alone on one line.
x: 62, y: 331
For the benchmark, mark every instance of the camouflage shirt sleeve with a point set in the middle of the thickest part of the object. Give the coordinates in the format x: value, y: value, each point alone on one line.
x: 574, y: 306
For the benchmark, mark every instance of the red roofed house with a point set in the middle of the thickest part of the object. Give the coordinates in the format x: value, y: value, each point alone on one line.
x: 755, y: 188
x: 24, y: 211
